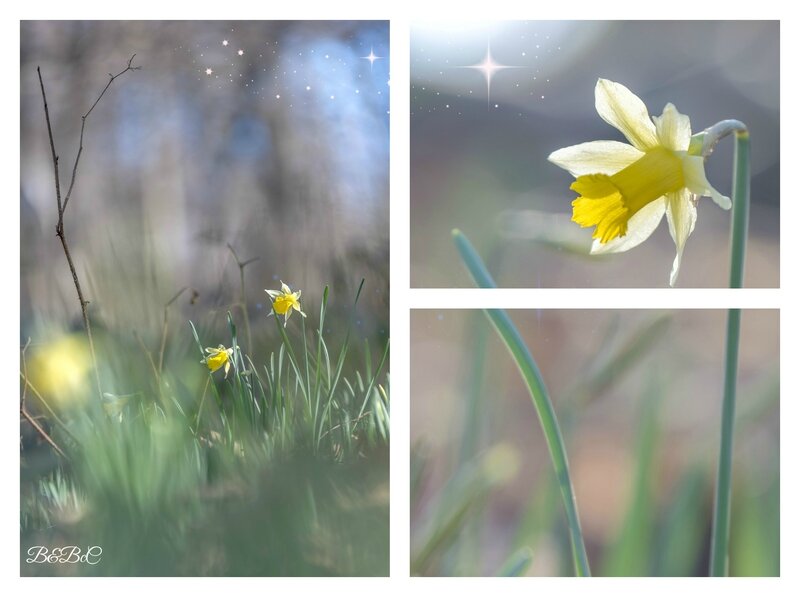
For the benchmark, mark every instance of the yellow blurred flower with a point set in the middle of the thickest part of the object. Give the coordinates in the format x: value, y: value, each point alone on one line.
x: 217, y: 358
x: 624, y: 189
x: 284, y: 301
x: 59, y: 370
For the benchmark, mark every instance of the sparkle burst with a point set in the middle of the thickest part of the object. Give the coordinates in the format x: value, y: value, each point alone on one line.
x: 371, y: 57
x: 488, y: 67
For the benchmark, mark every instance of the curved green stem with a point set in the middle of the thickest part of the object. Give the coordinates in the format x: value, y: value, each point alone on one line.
x: 539, y: 395
x: 741, y: 206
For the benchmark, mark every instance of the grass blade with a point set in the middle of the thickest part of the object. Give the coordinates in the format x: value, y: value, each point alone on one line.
x: 540, y: 397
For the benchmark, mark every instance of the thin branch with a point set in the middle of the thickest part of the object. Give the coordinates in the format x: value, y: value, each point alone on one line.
x: 42, y: 433
x: 156, y: 375
x: 52, y: 145
x: 40, y: 430
x: 243, y: 298
x: 83, y: 126
x: 163, y: 346
x: 25, y: 372
x: 62, y: 205
x: 363, y: 415
x: 48, y: 408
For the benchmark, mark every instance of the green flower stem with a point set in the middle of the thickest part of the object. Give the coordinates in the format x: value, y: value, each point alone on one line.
x: 720, y: 536
x: 541, y: 399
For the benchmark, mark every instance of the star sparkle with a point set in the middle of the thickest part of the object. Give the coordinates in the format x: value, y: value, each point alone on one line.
x: 488, y: 67
x: 371, y: 57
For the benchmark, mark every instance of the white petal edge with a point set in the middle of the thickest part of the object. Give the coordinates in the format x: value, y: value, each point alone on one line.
x: 595, y: 157
x: 640, y: 227
x: 694, y: 174
x: 674, y: 130
x: 622, y: 109
x: 681, y: 217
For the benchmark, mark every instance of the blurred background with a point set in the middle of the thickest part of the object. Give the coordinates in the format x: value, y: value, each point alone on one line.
x: 282, y: 150
x: 638, y: 395
x: 240, y: 155
x: 479, y: 155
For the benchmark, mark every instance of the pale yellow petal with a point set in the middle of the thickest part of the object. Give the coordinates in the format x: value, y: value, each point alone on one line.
x: 674, y: 129
x: 619, y: 107
x: 641, y: 225
x: 595, y: 157
x: 694, y: 174
x: 681, y: 217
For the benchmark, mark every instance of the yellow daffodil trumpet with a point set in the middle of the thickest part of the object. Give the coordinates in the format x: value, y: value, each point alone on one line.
x: 284, y: 301
x: 625, y: 189
x: 219, y: 357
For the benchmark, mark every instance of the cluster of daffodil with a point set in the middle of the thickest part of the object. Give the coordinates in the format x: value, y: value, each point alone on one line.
x: 624, y: 190
x: 284, y: 301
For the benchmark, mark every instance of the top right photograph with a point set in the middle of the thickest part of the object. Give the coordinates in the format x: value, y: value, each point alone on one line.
x: 595, y: 154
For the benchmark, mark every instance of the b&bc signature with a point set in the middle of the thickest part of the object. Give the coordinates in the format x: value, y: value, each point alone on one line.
x: 69, y: 554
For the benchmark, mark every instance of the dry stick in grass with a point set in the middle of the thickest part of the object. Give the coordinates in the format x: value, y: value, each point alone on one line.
x: 243, y: 298
x: 25, y: 413
x: 62, y: 204
x: 42, y: 433
x: 25, y: 373
x: 53, y: 416
x: 163, y: 346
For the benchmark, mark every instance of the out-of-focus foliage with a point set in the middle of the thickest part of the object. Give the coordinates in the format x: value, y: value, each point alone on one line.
x: 638, y: 396
x: 279, y: 469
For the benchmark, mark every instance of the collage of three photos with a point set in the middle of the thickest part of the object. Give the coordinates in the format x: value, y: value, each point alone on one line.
x: 205, y: 298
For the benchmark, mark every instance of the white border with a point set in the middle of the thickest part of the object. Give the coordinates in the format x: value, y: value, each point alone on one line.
x: 402, y: 298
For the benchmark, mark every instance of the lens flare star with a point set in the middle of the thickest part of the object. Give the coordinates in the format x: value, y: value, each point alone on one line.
x: 371, y: 57
x: 488, y: 67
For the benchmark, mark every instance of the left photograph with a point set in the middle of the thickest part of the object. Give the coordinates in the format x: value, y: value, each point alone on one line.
x: 204, y: 325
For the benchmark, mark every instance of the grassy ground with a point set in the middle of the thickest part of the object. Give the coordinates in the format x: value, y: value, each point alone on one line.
x: 279, y: 467
x: 640, y: 421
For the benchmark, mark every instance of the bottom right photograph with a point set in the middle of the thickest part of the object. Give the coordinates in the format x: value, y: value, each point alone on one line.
x: 594, y: 442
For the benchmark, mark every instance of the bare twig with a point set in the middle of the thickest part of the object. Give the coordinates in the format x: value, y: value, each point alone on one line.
x: 156, y: 375
x: 39, y: 429
x: 83, y: 126
x: 42, y: 433
x: 243, y: 297
x: 335, y: 427
x: 48, y: 408
x: 62, y: 204
x: 164, y: 328
x: 25, y: 373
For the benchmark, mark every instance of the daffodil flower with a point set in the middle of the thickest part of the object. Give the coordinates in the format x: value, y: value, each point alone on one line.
x: 624, y: 189
x: 284, y: 301
x: 217, y: 358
